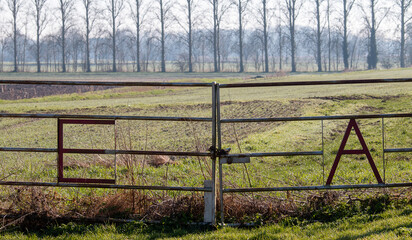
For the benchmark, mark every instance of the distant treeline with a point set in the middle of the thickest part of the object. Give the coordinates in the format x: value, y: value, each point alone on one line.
x: 204, y: 35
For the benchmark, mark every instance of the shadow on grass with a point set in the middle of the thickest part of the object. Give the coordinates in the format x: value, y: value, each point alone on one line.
x: 404, y: 230
x: 146, y: 231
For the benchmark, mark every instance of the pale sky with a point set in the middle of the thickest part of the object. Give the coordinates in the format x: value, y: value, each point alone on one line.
x: 230, y: 20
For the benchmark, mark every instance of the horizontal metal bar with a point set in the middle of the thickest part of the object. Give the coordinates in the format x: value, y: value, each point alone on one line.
x: 231, y: 160
x: 98, y: 151
x: 316, y: 118
x: 166, y: 153
x: 312, y: 188
x: 44, y: 184
x: 91, y: 122
x: 312, y: 83
x: 394, y: 150
x: 273, y: 154
x: 38, y: 150
x: 113, y: 117
x: 88, y: 151
x: 101, y: 83
x: 353, y: 152
x: 87, y: 180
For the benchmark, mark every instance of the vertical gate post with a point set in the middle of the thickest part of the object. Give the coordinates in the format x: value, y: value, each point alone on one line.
x: 209, y: 215
x: 219, y: 148
x: 211, y: 212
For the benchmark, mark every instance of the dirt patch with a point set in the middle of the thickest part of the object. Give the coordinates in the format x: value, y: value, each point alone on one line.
x: 151, y: 160
x: 370, y: 109
x: 358, y: 97
x: 17, y: 92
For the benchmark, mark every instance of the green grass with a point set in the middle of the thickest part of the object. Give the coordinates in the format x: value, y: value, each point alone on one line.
x: 390, y: 224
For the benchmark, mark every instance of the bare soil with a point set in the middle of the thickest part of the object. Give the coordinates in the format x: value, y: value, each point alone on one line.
x: 17, y: 92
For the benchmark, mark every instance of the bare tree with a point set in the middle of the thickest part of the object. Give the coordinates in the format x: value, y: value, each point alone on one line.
x: 115, y: 7
x: 372, y: 24
x: 3, y: 47
x: 188, y: 25
x: 66, y: 8
x: 164, y: 15
x: 279, y: 31
x: 404, y: 6
x: 219, y: 9
x: 189, y: 32
x: 15, y: 7
x: 41, y: 21
x: 328, y: 14
x: 318, y: 35
x: 263, y: 12
x: 347, y: 8
x: 215, y: 35
x: 90, y: 17
x: 292, y: 12
x: 138, y: 16
x: 241, y: 8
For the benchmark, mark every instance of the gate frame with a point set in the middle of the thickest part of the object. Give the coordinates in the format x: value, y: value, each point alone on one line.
x: 220, y: 121
x: 210, y: 191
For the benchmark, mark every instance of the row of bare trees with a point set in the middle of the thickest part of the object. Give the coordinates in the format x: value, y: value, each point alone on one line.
x: 189, y: 33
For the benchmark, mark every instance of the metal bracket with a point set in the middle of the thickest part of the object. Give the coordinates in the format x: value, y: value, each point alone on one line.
x: 230, y: 160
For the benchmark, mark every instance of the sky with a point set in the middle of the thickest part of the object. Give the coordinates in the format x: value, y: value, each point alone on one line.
x: 387, y: 28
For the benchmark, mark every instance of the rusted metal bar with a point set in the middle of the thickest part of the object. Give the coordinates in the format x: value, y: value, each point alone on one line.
x: 45, y: 184
x: 313, y: 83
x: 342, y: 151
x: 107, y: 117
x: 193, y: 154
x: 275, y: 154
x: 313, y: 188
x: 397, y: 150
x: 317, y: 118
x: 87, y: 180
x: 132, y: 152
x: 82, y: 121
x: 101, y: 83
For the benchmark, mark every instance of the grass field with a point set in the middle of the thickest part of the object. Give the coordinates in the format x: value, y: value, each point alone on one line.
x: 191, y: 136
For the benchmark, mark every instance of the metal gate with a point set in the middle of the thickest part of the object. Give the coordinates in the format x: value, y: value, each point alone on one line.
x: 215, y: 150
x: 225, y: 158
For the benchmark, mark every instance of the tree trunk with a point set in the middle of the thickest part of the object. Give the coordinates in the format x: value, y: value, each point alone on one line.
x: 402, y: 53
x: 215, y: 36
x: 87, y: 5
x: 373, y: 51
x: 280, y: 48
x: 265, y: 36
x: 38, y: 38
x: 162, y: 40
x: 329, y: 37
x: 114, y: 69
x: 15, y: 36
x: 138, y: 35
x: 189, y: 9
x: 345, y: 35
x: 241, y: 69
x: 319, y: 39
x: 63, y: 12
x: 291, y: 9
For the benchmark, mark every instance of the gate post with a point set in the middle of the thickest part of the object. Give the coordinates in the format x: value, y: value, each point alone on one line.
x: 209, y: 215
x: 219, y: 148
x: 212, y: 211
